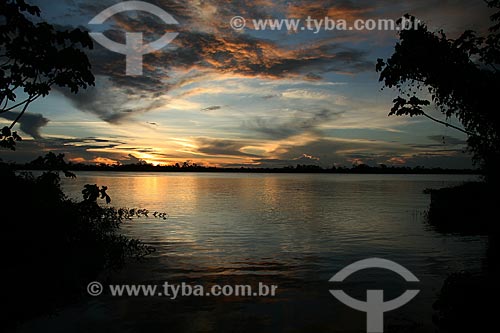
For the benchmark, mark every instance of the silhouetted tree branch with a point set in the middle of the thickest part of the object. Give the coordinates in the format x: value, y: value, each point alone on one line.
x: 37, y: 57
x: 458, y: 76
x: 447, y: 124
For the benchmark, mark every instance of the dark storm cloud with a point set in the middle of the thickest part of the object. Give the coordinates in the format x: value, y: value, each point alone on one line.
x: 30, y: 123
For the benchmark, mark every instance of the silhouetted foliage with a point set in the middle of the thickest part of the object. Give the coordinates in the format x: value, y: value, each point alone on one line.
x: 459, y: 76
x: 53, y: 246
x: 467, y: 303
x: 92, y: 192
x: 464, y: 209
x: 52, y: 162
x: 34, y: 57
x: 466, y: 300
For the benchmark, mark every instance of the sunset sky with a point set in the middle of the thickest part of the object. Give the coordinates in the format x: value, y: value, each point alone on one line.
x: 216, y: 96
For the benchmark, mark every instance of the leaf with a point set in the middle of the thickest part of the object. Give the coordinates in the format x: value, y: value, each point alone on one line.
x: 16, y: 136
x: 380, y: 65
x: 6, y: 132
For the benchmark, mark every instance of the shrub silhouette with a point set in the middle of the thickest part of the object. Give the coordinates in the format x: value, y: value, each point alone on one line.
x: 53, y: 246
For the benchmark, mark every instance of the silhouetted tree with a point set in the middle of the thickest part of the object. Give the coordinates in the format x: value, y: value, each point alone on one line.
x: 34, y: 57
x: 459, y: 76
x: 62, y: 242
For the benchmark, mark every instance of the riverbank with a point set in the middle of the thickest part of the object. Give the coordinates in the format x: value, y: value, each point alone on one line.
x: 469, y: 208
x: 465, y: 302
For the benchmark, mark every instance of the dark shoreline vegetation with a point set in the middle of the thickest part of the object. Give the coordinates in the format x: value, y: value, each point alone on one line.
x: 466, y: 301
x: 53, y: 246
x: 466, y: 209
x: 39, y: 165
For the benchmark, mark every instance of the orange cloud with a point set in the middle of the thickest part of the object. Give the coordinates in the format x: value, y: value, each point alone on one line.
x: 77, y: 160
x: 320, y: 10
x: 99, y: 160
x: 396, y: 160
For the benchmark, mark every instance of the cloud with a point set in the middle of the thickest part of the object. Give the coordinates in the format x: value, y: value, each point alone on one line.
x: 442, y: 143
x: 246, y: 55
x: 114, y: 102
x: 218, y: 147
x: 84, y: 150
x: 327, y: 152
x: 305, y: 94
x: 334, y: 9
x: 396, y: 161
x: 131, y: 160
x: 212, y: 108
x: 279, y: 91
x: 303, y: 159
x: 205, y: 46
x: 448, y: 140
x: 30, y: 123
x: 301, y: 122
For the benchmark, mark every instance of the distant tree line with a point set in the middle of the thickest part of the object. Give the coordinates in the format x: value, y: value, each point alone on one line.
x: 142, y: 166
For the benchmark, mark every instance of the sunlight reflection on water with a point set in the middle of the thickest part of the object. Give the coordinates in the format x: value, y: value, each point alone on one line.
x: 292, y: 230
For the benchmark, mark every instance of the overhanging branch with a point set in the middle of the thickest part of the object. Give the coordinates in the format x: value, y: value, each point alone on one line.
x: 19, y: 115
x: 449, y: 125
